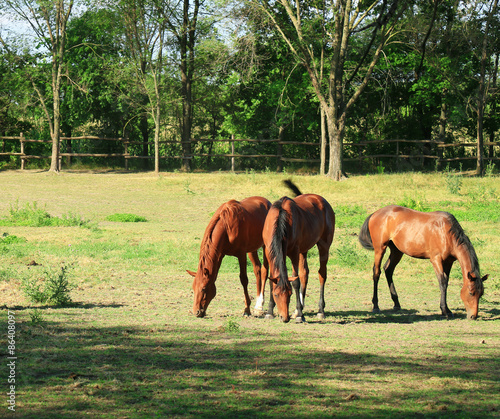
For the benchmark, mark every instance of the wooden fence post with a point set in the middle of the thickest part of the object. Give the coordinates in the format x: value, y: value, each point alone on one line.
x: 232, y: 153
x: 397, y: 156
x: 125, y: 151
x: 23, y: 159
x: 279, y: 151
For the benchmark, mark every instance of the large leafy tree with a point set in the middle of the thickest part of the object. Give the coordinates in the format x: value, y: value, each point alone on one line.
x: 48, y: 21
x: 319, y: 35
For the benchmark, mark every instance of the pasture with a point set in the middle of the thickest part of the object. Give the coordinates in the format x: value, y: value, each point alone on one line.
x: 128, y: 347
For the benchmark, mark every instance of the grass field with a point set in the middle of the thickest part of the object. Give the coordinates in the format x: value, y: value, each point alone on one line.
x: 128, y: 346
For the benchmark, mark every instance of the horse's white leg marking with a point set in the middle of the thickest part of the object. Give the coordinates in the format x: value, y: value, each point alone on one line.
x: 259, y: 305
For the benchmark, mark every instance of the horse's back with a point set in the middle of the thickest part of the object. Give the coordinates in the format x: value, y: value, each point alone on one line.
x: 317, y: 219
x: 244, y: 221
x: 417, y: 234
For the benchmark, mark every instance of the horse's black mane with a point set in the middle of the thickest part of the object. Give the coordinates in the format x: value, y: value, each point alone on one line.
x: 461, y: 238
x: 278, y: 243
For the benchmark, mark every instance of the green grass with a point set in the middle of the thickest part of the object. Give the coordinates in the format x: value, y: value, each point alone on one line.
x: 126, y: 218
x: 127, y: 346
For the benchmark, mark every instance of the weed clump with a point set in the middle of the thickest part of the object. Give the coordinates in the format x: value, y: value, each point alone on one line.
x: 32, y: 216
x: 53, y: 289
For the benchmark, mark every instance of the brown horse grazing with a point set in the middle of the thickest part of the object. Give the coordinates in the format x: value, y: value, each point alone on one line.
x: 436, y: 236
x: 292, y: 227
x: 235, y: 229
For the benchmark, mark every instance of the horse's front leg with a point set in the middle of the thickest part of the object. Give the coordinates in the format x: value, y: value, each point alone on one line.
x: 442, y: 270
x: 260, y: 277
x: 272, y: 303
x: 244, y: 282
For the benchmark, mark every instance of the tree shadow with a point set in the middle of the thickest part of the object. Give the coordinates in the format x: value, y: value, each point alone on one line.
x: 62, y: 307
x: 384, y: 316
x: 195, y: 371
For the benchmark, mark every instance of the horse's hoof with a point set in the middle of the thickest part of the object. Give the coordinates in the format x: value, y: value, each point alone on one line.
x: 376, y: 310
x: 258, y: 313
x: 397, y: 308
x: 300, y: 319
x: 321, y: 316
x: 269, y: 316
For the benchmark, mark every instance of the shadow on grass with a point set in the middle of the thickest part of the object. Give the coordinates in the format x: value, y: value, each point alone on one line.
x: 197, y: 372
x: 385, y: 316
x: 68, y: 306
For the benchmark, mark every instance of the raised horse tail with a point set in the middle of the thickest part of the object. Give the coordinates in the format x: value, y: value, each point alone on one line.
x: 364, y: 235
x: 292, y: 187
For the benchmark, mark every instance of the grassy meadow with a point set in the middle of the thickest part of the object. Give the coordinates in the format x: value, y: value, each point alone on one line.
x: 127, y: 346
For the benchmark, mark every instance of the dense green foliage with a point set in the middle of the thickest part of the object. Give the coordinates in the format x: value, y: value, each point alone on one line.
x: 245, y: 82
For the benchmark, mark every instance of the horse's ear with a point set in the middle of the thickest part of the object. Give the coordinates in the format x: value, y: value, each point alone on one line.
x: 273, y: 280
x: 206, y: 272
x: 484, y: 278
x: 191, y: 272
x: 293, y: 278
x: 470, y: 277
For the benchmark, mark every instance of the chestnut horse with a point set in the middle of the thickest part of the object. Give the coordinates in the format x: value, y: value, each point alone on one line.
x: 235, y: 229
x: 292, y: 227
x: 436, y: 236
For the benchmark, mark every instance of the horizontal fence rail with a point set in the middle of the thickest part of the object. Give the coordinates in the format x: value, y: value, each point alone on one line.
x: 353, y: 152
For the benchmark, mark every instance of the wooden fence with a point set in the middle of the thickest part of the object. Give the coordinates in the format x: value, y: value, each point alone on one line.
x: 353, y: 152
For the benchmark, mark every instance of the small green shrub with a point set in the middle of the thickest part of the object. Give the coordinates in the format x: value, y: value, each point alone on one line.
x: 453, y: 181
x: 232, y: 326
x: 36, y: 317
x: 10, y: 239
x: 53, y: 289
x: 490, y: 169
x: 126, y: 218
x: 416, y: 203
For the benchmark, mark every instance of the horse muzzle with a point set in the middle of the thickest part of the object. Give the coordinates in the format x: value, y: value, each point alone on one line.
x: 200, y: 313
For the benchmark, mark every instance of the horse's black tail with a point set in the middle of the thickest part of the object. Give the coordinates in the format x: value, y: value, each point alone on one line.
x: 292, y: 187
x: 364, y: 235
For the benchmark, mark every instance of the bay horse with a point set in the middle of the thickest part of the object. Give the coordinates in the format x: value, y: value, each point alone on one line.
x: 434, y: 235
x: 235, y: 230
x: 292, y: 227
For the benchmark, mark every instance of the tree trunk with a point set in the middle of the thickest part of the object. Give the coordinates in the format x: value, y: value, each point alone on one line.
x: 336, y: 138
x: 481, y: 99
x: 56, y: 136
x: 323, y: 144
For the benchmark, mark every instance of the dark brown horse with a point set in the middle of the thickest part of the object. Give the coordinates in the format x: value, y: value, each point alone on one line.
x: 436, y: 236
x: 292, y: 227
x: 235, y: 229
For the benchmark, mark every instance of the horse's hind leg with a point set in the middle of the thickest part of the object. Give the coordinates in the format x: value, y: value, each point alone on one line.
x: 379, y: 254
x: 301, y: 268
x: 260, y: 276
x: 244, y: 282
x: 390, y: 265
x: 323, y: 260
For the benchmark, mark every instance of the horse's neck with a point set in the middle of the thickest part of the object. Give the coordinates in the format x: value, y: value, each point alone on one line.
x: 214, y: 246
x: 464, y: 259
